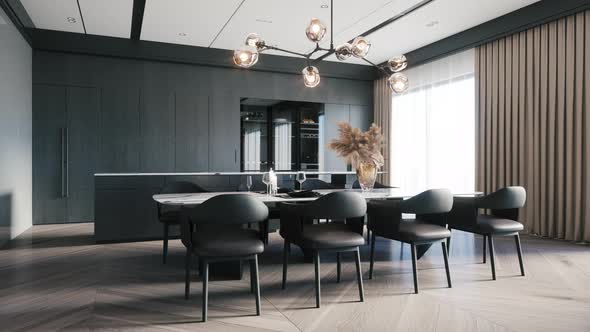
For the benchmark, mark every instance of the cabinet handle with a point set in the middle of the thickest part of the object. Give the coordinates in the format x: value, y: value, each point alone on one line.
x: 67, y: 161
x: 62, y: 161
x: 236, y: 156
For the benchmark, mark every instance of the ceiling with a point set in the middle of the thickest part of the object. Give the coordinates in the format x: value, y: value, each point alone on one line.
x: 225, y: 23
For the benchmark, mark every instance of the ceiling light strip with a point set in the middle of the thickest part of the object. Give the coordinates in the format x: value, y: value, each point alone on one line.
x: 227, y: 22
x: 81, y: 16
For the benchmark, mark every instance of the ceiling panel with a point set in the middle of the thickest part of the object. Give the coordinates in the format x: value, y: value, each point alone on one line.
x: 282, y: 23
x: 186, y: 22
x: 61, y: 15
x: 107, y: 17
x: 435, y: 21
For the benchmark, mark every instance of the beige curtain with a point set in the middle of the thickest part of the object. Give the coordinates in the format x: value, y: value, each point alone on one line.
x: 533, y: 125
x: 382, y: 117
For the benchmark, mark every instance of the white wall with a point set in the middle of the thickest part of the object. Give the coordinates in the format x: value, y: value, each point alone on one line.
x: 15, y: 132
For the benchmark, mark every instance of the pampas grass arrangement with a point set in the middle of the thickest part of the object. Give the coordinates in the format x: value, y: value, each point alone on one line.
x: 356, y: 146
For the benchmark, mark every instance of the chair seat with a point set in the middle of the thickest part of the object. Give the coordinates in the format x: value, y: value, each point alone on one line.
x: 412, y: 230
x: 170, y: 217
x: 327, y: 236
x: 227, y: 242
x: 487, y: 224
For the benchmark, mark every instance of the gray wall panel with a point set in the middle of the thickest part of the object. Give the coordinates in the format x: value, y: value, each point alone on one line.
x: 192, y: 132
x: 15, y: 132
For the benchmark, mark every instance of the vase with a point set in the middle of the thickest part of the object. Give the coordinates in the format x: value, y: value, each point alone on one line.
x: 366, y: 173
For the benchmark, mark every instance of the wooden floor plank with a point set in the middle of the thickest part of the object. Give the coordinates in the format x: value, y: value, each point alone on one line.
x: 55, y: 277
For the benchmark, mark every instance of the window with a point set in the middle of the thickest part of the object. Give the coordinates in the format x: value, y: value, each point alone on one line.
x: 433, y: 128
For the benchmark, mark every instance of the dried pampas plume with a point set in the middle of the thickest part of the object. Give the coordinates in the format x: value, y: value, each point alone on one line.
x: 356, y: 146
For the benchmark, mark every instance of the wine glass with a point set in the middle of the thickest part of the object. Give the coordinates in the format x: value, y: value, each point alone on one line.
x: 266, y: 180
x: 301, y: 178
x: 249, y: 182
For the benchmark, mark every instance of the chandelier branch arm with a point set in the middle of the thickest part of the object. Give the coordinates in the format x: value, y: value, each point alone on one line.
x: 381, y: 69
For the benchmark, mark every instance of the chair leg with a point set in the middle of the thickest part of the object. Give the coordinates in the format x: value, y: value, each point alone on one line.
x: 372, y: 256
x: 286, y: 249
x: 492, y: 262
x: 316, y: 262
x: 165, y: 244
x: 414, y: 270
x: 252, y: 281
x: 187, y: 276
x: 449, y: 242
x: 359, y: 274
x: 205, y: 289
x: 445, y: 256
x: 519, y: 249
x: 485, y: 238
x: 338, y: 267
x: 254, y: 269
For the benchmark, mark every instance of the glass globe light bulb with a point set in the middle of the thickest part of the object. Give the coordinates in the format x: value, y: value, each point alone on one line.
x: 398, y: 82
x: 246, y: 57
x: 343, y: 51
x: 360, y: 47
x: 398, y: 63
x: 311, y: 76
x: 315, y: 30
x: 253, y: 39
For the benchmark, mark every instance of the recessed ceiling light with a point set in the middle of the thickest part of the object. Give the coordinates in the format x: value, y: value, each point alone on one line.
x: 324, y: 6
x: 182, y: 34
x: 71, y: 19
x: 431, y: 24
x: 261, y: 20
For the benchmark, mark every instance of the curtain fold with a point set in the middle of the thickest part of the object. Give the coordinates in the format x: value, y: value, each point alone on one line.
x: 533, y: 126
x: 382, y: 117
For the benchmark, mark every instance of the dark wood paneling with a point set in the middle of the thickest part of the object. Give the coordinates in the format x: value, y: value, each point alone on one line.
x: 224, y: 133
x: 192, y: 132
x: 49, y: 118
x: 58, y: 41
x: 157, y: 130
x: 83, y: 115
x: 119, y: 130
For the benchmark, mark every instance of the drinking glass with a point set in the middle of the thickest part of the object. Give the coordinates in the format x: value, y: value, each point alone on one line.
x: 266, y: 180
x: 249, y: 182
x: 301, y: 178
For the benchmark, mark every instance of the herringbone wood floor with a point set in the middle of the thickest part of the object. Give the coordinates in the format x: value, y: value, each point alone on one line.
x: 55, y: 278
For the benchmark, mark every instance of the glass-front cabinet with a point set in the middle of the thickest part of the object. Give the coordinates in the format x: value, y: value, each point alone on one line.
x: 281, y: 135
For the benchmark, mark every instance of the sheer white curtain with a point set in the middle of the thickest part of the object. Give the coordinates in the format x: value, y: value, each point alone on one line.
x: 433, y: 127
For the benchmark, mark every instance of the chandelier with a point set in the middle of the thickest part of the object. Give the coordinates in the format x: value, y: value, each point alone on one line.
x: 247, y: 55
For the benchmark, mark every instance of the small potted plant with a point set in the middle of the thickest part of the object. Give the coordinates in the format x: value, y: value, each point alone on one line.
x: 362, y: 150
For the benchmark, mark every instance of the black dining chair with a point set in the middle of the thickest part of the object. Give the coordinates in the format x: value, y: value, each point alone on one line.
x: 429, y: 226
x: 316, y: 184
x: 212, y: 232
x: 296, y: 228
x: 503, y: 206
x: 169, y: 215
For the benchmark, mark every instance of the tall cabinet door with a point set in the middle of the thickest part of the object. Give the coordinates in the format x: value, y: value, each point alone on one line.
x: 83, y: 111
x: 192, y: 132
x: 49, y: 154
x: 224, y: 134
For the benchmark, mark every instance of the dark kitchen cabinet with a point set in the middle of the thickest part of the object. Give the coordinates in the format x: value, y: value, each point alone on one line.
x: 65, y: 144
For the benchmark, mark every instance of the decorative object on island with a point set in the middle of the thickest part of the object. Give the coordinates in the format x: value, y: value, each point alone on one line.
x: 247, y: 55
x: 362, y: 150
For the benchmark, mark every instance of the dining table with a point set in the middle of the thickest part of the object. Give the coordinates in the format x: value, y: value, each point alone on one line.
x: 225, y: 272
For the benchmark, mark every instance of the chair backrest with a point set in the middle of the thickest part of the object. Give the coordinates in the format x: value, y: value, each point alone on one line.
x: 336, y: 205
x: 503, y: 199
x: 227, y: 209
x: 433, y: 201
x: 181, y: 187
x: 316, y: 184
